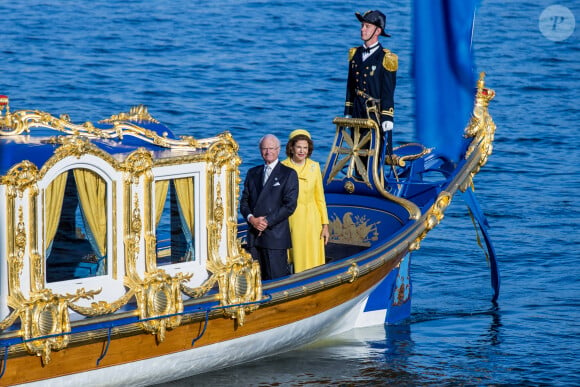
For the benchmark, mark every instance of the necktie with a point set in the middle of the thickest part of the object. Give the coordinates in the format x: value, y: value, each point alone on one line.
x: 267, y: 171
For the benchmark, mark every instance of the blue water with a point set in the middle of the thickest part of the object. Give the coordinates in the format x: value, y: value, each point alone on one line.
x: 254, y: 67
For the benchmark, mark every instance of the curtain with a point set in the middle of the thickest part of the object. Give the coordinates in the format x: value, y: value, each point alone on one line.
x: 184, y: 190
x: 52, y: 209
x: 92, y: 191
x: 161, y: 187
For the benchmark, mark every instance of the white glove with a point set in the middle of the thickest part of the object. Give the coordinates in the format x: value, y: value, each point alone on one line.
x: 387, y: 125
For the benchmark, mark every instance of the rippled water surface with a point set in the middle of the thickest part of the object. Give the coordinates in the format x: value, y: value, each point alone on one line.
x: 254, y: 67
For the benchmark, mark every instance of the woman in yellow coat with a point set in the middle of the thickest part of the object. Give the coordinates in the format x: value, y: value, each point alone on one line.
x: 309, y: 223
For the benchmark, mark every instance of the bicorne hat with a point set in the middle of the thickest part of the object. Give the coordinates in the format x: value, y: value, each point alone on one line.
x: 376, y: 18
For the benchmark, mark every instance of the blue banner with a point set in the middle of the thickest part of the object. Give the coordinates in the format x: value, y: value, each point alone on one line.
x: 477, y: 213
x: 444, y: 72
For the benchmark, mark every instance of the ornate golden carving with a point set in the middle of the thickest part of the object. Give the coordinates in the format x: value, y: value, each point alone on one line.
x: 138, y: 163
x: 158, y: 294
x: 354, y: 271
x: 72, y: 146
x: 100, y: 308
x: 16, y: 255
x: 44, y: 315
x: 349, y: 186
x: 238, y: 276
x: 20, y: 177
x: 355, y: 148
x: 433, y: 217
x: 159, y: 301
x: 352, y: 150
x: 218, y: 209
x: 75, y: 147
x: 481, y: 126
x: 23, y: 121
x: 45, y: 319
x: 349, y: 231
x: 137, y: 113
x: 200, y: 290
x: 239, y: 284
x: 401, y: 161
x: 20, y: 236
x: 132, y: 238
x: 223, y: 151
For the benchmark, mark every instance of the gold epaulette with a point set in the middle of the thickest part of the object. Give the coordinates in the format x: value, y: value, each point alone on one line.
x: 390, y: 61
x: 351, y: 53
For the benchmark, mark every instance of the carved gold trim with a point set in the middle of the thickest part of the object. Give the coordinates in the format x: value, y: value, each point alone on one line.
x: 100, y: 308
x: 159, y: 301
x: 158, y: 294
x: 353, y: 149
x: 20, y: 177
x: 23, y: 121
x: 349, y: 231
x: 115, y: 220
x: 354, y: 272
x: 75, y: 147
x: 433, y: 217
x: 240, y: 285
x: 45, y: 320
x: 356, y: 147
x: 137, y: 113
x: 137, y: 163
x: 482, y: 127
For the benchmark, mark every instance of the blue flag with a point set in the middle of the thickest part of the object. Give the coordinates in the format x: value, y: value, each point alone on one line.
x: 444, y: 72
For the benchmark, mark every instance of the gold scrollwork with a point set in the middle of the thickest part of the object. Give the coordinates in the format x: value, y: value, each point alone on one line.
x: 433, y: 218
x: 354, y: 149
x: 349, y: 186
x: 354, y: 272
x: 102, y: 307
x: 22, y: 121
x: 199, y: 291
x: 239, y: 285
x: 45, y: 320
x: 218, y: 210
x: 481, y: 124
x: 138, y: 162
x: 358, y: 231
x: 223, y: 151
x: 159, y: 301
x: 20, y: 177
x: 16, y: 256
x: 137, y: 113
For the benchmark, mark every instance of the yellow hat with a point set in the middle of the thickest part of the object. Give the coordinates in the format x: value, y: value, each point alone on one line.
x: 297, y: 132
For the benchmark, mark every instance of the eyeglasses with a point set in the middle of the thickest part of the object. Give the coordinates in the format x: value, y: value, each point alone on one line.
x: 269, y: 149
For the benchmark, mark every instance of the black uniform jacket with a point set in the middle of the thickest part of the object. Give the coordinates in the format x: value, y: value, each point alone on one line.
x: 377, y: 77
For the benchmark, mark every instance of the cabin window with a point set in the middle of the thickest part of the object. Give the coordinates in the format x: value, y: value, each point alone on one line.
x: 75, y: 226
x: 174, y: 220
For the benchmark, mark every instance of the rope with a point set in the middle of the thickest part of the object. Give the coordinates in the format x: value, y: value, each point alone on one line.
x: 106, y: 346
x: 4, y: 361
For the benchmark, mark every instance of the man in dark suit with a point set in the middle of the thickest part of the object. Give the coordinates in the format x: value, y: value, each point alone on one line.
x: 372, y: 75
x: 269, y: 198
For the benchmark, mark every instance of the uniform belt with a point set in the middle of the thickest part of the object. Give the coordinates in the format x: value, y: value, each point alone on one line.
x: 361, y: 93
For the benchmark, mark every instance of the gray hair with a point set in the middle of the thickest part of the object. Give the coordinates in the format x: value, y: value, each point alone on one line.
x: 272, y: 136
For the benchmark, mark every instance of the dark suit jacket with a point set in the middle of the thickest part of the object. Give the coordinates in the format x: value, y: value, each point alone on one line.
x: 276, y: 200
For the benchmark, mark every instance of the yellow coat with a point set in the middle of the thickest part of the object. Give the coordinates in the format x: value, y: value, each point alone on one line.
x: 306, y: 222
